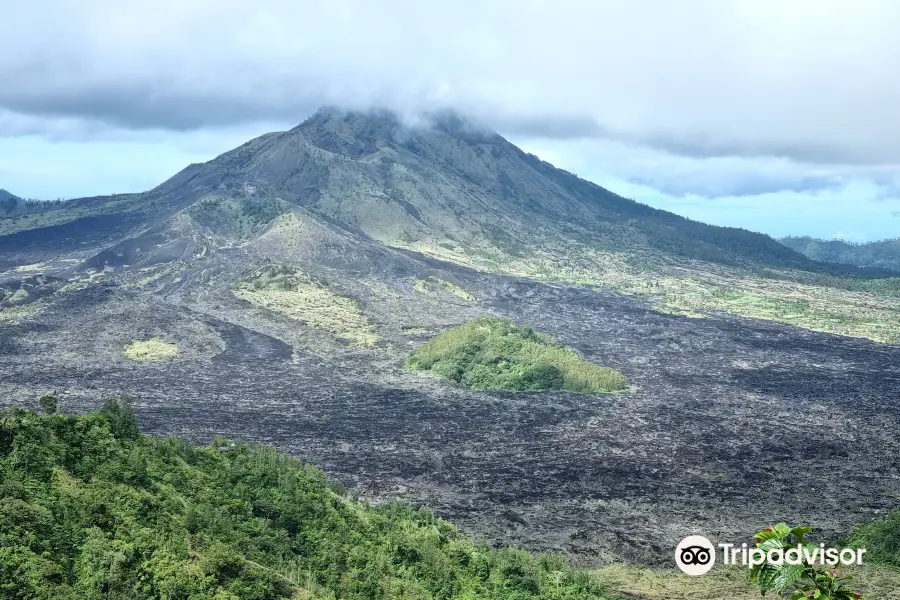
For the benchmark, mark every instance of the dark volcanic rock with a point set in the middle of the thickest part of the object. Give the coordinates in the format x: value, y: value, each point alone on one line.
x: 731, y: 424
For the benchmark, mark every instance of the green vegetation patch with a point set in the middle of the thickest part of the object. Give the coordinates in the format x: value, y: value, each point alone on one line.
x: 286, y: 290
x: 236, y: 216
x: 840, y: 305
x: 496, y: 354
x: 34, y: 267
x: 92, y: 510
x: 152, y: 350
x: 430, y: 285
x: 819, y: 309
x: 880, y: 538
x: 10, y: 315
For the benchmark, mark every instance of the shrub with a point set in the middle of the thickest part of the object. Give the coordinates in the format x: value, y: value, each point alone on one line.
x: 48, y: 404
x: 880, y: 538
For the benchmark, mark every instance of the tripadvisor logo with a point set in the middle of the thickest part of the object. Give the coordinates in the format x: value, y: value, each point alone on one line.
x: 696, y: 555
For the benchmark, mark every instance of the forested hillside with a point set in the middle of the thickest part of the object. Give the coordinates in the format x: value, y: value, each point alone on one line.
x: 91, y: 509
x: 881, y: 255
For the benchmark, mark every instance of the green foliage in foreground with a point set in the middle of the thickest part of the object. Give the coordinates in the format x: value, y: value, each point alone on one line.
x: 803, y: 580
x: 495, y: 354
x: 90, y: 510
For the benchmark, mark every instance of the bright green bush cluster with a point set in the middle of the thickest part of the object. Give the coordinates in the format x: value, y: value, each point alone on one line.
x: 92, y: 510
x: 495, y: 354
x: 880, y: 538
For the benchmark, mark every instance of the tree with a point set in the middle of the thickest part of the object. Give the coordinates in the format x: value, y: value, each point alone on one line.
x: 121, y: 418
x: 49, y: 404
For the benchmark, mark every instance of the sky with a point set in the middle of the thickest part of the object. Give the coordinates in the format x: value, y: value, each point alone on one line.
x: 770, y: 115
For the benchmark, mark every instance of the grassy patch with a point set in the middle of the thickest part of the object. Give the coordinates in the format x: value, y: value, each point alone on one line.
x: 148, y: 276
x: 10, y: 315
x: 235, y: 216
x: 287, y: 291
x: 495, y: 354
x: 856, y: 308
x: 18, y: 297
x: 671, y: 310
x: 844, y: 312
x: 431, y: 285
x: 152, y: 350
x: 874, y: 581
x: 33, y: 267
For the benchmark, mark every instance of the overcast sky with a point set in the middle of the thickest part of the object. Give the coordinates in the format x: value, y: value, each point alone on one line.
x: 772, y: 115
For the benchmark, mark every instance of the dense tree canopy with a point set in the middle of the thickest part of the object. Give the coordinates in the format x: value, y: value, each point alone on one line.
x: 91, y: 509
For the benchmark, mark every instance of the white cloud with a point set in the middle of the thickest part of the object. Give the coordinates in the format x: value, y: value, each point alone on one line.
x: 783, y: 198
x: 771, y: 108
x: 806, y: 80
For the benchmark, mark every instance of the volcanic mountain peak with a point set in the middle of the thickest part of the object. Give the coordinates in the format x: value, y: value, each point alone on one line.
x: 441, y: 184
x: 445, y: 180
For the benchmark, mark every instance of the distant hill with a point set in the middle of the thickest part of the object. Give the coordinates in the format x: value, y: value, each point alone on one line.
x: 882, y: 255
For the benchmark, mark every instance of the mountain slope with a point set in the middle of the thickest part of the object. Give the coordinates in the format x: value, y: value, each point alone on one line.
x: 451, y: 191
x: 884, y: 254
x: 6, y: 196
x: 451, y: 182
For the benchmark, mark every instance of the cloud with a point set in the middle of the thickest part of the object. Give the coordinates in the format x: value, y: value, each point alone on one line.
x: 681, y: 175
x: 809, y: 81
x: 775, y: 196
x: 755, y: 113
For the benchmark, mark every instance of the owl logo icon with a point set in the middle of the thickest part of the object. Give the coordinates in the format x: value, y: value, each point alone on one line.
x: 695, y: 555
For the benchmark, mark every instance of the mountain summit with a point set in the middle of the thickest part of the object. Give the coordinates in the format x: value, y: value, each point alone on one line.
x: 448, y: 187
